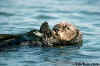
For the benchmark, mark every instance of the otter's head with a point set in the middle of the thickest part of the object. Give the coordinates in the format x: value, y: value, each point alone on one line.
x: 65, y: 31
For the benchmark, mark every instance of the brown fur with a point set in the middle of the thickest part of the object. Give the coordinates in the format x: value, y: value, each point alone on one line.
x: 67, y: 33
x: 61, y: 34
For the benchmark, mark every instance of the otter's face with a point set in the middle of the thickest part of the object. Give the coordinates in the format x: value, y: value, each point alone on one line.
x: 64, y: 31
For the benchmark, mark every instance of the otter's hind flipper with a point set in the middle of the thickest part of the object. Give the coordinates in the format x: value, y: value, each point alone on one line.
x: 7, y: 36
x: 7, y: 40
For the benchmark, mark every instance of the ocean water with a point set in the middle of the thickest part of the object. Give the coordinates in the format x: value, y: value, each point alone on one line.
x: 20, y: 16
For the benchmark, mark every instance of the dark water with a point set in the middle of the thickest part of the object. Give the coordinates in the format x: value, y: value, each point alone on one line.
x: 19, y: 16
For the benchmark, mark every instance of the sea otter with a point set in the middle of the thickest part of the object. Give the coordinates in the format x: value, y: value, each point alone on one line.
x: 62, y: 34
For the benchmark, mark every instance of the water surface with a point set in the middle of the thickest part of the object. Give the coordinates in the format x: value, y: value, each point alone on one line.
x: 20, y: 16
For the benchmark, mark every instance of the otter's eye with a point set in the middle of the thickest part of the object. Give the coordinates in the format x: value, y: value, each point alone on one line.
x: 68, y: 28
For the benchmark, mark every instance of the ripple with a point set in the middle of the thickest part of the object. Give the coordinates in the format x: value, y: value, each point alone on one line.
x: 6, y: 14
x: 28, y: 62
x: 29, y: 14
x: 63, y: 11
x: 97, y: 25
x: 90, y: 13
x: 53, y: 11
x: 45, y: 17
x: 44, y: 11
x: 3, y: 64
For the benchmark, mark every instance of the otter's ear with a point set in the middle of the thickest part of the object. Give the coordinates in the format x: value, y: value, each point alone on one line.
x: 44, y: 27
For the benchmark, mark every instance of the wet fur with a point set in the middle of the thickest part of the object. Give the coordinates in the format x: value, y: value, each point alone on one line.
x: 62, y: 34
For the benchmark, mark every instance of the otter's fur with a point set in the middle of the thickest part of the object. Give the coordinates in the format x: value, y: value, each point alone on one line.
x: 67, y: 34
x: 61, y: 34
